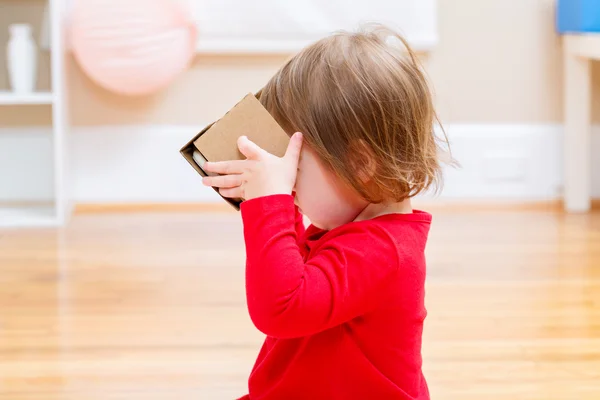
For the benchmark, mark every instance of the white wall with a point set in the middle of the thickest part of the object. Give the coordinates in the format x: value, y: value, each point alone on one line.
x: 496, y: 70
x: 143, y: 164
x: 274, y: 25
x: 495, y: 62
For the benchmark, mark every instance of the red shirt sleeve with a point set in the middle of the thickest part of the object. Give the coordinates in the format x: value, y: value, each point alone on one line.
x: 300, y: 227
x: 299, y: 223
x: 341, y: 280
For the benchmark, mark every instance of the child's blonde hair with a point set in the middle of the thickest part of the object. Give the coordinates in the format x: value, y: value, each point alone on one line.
x: 364, y: 106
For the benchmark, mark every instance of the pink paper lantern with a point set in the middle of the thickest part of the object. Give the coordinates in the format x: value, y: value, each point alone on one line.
x: 132, y: 47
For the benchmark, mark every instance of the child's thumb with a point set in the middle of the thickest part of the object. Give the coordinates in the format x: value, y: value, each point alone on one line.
x: 294, y: 147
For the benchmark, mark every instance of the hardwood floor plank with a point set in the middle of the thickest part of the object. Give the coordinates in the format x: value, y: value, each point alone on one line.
x: 152, y: 306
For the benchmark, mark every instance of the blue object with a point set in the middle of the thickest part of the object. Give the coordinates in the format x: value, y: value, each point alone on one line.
x: 578, y: 16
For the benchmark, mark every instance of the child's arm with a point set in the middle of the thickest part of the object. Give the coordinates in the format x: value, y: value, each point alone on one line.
x: 288, y: 298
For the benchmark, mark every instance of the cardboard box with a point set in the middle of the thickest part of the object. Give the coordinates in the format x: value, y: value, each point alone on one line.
x: 218, y: 141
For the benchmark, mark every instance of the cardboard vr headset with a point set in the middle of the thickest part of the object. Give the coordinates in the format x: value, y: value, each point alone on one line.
x: 218, y: 141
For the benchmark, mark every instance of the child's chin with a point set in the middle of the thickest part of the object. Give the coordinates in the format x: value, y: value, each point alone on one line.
x: 317, y: 224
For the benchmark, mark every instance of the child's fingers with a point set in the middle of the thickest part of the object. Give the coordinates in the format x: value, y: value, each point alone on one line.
x: 294, y: 147
x: 223, y: 181
x: 250, y: 149
x: 225, y: 167
x: 232, y: 193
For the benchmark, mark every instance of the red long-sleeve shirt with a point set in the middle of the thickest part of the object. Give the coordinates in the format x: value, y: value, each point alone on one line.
x: 343, y: 310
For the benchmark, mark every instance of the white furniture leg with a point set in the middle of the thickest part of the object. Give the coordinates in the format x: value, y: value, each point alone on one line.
x: 577, y: 160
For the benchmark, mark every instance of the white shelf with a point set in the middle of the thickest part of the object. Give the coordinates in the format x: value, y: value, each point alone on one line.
x: 9, y: 98
x: 40, y: 216
x: 58, y: 209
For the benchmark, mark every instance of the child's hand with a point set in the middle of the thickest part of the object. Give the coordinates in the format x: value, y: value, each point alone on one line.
x: 261, y: 174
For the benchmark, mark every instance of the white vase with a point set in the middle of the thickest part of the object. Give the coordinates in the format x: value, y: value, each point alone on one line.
x: 21, y: 56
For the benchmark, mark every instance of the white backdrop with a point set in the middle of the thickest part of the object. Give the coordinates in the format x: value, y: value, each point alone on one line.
x: 288, y: 25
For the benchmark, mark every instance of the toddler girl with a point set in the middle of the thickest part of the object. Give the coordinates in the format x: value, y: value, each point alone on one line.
x: 341, y: 302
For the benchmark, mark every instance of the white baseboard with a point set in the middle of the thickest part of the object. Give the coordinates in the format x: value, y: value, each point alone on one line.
x: 135, y: 164
x: 126, y: 164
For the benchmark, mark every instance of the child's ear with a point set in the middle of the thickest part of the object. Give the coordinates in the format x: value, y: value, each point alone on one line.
x: 362, y: 159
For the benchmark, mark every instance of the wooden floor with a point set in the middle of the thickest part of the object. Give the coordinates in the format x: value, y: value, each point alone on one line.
x: 151, y: 306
